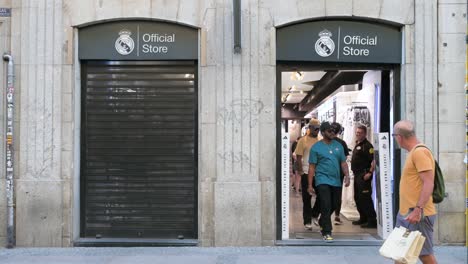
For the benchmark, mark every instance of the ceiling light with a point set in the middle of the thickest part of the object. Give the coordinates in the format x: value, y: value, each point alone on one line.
x: 297, y: 76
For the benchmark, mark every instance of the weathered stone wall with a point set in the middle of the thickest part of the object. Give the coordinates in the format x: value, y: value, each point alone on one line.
x: 237, y: 126
x: 450, y: 74
x: 40, y: 186
x: 5, y: 40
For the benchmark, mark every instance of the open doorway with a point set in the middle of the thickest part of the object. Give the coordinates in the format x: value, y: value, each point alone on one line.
x: 351, y: 96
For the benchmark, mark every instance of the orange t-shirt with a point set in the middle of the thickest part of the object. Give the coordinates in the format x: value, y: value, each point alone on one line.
x: 418, y: 160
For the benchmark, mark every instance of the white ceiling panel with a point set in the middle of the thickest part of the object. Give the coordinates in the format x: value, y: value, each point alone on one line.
x: 293, y: 83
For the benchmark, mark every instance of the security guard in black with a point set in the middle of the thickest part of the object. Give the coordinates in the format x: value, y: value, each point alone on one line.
x: 362, y: 166
x: 363, y: 155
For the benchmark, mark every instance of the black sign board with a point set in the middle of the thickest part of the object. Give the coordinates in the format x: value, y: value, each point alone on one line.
x: 339, y: 41
x: 138, y: 40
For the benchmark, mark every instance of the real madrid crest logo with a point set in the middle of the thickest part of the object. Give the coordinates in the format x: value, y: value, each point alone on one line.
x: 124, y: 44
x: 325, y: 45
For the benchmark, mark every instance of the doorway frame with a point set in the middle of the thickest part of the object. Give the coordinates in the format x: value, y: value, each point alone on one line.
x: 395, y: 104
x: 76, y: 240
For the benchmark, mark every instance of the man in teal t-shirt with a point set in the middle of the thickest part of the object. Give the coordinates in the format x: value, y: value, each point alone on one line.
x: 325, y: 159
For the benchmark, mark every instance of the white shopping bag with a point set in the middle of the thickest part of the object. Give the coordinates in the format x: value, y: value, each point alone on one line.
x: 403, y: 245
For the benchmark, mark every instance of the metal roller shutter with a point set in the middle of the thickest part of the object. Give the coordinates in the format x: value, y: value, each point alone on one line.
x: 138, y: 149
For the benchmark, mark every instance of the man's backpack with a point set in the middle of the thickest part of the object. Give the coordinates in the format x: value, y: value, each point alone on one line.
x: 438, y: 194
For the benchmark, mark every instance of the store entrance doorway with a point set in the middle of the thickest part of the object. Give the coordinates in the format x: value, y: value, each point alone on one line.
x: 351, y: 95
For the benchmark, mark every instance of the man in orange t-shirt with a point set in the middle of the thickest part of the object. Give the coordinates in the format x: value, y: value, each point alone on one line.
x: 417, y: 211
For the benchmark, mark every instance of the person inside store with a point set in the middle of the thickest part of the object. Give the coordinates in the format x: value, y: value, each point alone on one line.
x: 302, y: 157
x: 338, y: 131
x: 325, y: 160
x: 417, y: 210
x: 362, y: 165
x: 295, y: 177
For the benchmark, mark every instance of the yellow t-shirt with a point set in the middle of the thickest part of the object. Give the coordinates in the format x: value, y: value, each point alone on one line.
x: 303, y: 148
x: 418, y: 160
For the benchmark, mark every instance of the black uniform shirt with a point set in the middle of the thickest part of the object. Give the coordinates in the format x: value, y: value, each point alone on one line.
x: 345, y: 146
x: 346, y: 153
x: 363, y: 154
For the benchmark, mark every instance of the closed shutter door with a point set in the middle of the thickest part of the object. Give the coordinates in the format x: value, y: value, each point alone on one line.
x: 138, y: 149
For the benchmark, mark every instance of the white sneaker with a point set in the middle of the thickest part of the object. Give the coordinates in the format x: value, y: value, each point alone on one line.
x: 308, y: 226
x: 315, y: 221
x: 338, y: 220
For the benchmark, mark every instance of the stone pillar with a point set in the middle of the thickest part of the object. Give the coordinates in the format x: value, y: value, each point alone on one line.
x: 421, y: 94
x: 231, y: 124
x: 451, y: 103
x: 39, y: 183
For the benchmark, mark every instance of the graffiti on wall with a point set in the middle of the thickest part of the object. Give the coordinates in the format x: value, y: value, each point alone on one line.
x: 240, y: 111
x: 236, y: 158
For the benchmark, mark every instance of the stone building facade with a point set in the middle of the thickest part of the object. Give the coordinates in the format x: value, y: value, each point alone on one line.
x: 237, y: 156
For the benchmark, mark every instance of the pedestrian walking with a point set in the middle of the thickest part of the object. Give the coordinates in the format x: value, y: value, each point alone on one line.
x: 417, y: 211
x: 302, y: 157
x: 325, y: 160
x: 338, y: 131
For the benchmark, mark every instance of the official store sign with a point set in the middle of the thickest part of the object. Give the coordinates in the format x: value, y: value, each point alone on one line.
x: 138, y: 40
x: 339, y: 41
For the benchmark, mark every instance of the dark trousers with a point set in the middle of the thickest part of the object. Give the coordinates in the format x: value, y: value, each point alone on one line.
x: 307, y: 211
x: 328, y: 203
x: 338, y: 198
x: 363, y: 198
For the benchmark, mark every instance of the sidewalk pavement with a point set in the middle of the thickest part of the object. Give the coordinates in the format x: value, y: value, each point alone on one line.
x: 215, y: 255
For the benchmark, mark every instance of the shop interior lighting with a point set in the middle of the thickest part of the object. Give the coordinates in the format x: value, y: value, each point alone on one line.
x: 297, y: 76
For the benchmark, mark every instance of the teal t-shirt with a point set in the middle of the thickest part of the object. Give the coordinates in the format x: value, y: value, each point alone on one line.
x: 327, y: 159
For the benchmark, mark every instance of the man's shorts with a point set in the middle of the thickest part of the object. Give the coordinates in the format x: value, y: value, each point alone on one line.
x: 426, y: 227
